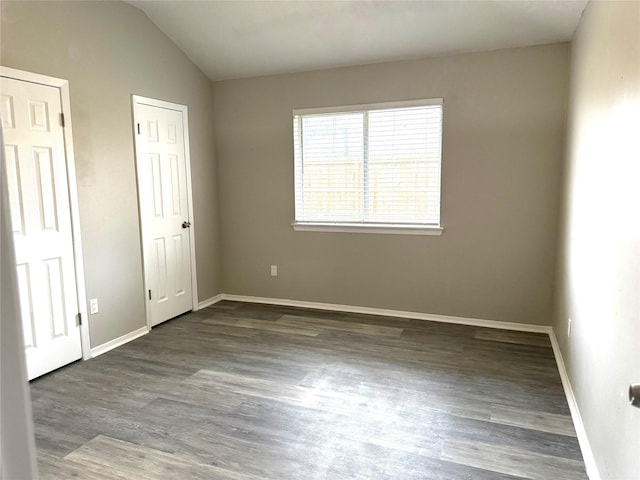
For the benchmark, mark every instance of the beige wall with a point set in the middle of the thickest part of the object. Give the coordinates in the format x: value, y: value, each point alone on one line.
x: 109, y: 51
x: 599, y: 250
x: 503, y: 136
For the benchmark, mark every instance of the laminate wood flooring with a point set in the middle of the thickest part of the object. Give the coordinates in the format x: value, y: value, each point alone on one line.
x: 244, y: 391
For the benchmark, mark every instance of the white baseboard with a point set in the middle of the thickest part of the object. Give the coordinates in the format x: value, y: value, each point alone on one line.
x: 116, y: 342
x: 583, y: 440
x: 209, y: 301
x: 476, y: 322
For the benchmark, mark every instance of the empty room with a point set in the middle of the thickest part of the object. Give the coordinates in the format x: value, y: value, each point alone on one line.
x: 255, y: 240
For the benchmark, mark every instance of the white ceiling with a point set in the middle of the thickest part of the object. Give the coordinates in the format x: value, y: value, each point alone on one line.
x: 233, y: 39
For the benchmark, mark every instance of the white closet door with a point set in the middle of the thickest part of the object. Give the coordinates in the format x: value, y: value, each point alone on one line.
x: 41, y: 220
x: 164, y: 210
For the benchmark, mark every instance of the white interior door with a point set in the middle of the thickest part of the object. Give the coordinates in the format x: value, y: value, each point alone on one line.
x: 41, y: 222
x: 161, y: 157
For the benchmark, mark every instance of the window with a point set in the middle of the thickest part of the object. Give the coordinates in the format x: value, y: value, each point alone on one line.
x: 369, y: 167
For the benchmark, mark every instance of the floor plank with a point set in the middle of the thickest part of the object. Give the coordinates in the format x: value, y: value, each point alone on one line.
x: 114, y: 458
x: 246, y: 391
x: 542, y: 421
x: 514, y: 461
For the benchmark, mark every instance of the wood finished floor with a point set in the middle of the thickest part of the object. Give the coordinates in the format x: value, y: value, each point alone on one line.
x: 242, y: 391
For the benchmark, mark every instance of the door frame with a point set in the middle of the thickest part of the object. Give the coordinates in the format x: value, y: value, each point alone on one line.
x: 63, y: 86
x: 140, y: 100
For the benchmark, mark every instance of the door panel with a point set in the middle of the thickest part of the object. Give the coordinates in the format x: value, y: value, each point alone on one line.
x: 162, y: 189
x: 41, y: 222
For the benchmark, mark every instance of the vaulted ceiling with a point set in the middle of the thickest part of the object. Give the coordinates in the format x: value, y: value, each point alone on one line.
x: 233, y: 39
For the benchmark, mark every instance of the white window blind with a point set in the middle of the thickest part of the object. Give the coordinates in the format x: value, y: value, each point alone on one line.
x: 375, y: 165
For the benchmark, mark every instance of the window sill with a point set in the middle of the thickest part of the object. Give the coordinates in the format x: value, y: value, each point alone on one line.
x: 363, y: 228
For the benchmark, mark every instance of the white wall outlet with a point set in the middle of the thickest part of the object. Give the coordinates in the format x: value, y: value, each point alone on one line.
x: 274, y: 270
x: 569, y: 327
x: 93, y: 306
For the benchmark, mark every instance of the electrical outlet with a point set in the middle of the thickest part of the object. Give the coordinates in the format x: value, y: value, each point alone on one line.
x: 93, y: 306
x: 569, y: 327
x: 274, y: 270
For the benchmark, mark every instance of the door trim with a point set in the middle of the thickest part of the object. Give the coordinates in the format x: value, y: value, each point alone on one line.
x: 63, y: 86
x: 140, y: 100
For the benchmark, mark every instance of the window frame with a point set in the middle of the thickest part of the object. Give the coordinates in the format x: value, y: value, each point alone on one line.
x: 368, y: 227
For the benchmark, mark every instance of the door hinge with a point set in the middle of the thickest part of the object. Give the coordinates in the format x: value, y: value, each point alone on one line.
x: 79, y: 318
x: 149, y: 294
x: 138, y: 129
x: 62, y: 120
